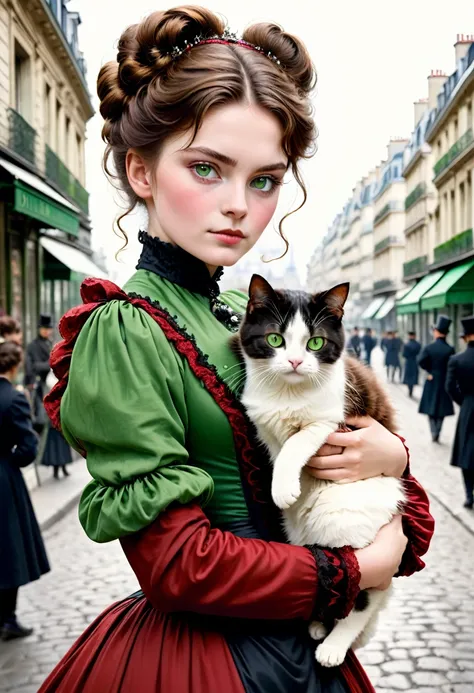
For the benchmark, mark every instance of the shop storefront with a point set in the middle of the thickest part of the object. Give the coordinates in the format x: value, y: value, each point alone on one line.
x: 32, y: 278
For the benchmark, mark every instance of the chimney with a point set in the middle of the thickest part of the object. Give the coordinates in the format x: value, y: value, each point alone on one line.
x: 421, y: 106
x: 395, y: 146
x: 436, y: 81
x: 462, y: 45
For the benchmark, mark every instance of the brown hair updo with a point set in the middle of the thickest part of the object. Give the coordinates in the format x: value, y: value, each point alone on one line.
x: 146, y: 96
x: 10, y: 356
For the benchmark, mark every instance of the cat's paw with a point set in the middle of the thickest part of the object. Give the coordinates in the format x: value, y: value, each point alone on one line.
x: 285, y: 493
x: 317, y: 630
x: 330, y: 654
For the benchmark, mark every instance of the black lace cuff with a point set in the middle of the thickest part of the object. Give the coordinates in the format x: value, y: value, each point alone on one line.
x: 338, y: 582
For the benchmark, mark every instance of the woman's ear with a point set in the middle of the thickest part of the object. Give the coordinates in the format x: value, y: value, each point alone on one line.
x: 138, y: 175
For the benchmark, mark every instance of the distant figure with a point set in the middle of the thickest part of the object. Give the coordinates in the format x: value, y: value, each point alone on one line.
x: 354, y: 343
x: 369, y: 342
x: 460, y: 386
x: 410, y: 353
x: 384, y: 341
x: 37, y: 368
x: 393, y: 346
x: 435, y: 401
x: 57, y: 453
x: 22, y: 553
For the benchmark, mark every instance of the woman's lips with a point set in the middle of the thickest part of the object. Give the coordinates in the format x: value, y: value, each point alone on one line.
x: 229, y: 236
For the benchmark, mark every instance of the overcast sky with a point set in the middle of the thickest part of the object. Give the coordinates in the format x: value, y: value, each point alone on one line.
x: 372, y: 59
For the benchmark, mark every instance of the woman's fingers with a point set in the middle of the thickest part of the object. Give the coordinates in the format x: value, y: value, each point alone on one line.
x: 328, y: 450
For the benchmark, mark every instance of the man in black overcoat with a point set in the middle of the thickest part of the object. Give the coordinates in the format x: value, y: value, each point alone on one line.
x: 369, y: 342
x: 37, y: 368
x: 435, y: 401
x: 393, y: 347
x: 410, y: 353
x: 460, y: 386
x: 354, y: 346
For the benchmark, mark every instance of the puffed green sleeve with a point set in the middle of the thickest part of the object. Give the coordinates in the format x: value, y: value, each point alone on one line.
x: 125, y: 406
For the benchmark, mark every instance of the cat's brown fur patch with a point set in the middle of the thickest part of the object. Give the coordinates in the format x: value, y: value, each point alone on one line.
x: 365, y: 396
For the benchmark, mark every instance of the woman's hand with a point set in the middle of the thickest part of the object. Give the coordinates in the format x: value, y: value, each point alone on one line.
x: 379, y: 562
x: 370, y: 451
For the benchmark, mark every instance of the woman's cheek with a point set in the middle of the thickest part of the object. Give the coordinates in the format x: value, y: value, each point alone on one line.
x: 188, y: 200
x: 263, y: 213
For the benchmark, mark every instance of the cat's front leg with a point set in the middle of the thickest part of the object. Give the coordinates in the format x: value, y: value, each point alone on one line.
x: 294, y: 455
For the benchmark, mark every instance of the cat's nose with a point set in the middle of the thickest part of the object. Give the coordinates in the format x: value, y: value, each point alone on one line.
x: 295, y: 362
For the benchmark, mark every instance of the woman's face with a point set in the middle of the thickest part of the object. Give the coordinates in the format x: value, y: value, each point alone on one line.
x: 215, y: 197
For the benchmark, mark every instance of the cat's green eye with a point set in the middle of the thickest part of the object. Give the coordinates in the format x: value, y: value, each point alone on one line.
x: 275, y: 340
x: 316, y: 343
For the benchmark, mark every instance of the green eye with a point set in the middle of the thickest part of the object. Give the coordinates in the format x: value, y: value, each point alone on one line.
x: 203, y: 170
x: 316, y: 343
x: 263, y: 183
x: 275, y: 340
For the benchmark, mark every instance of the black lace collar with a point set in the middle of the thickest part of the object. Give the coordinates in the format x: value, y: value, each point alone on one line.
x: 179, y: 267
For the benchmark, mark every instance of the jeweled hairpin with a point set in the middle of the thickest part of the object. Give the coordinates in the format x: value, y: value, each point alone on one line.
x: 226, y: 38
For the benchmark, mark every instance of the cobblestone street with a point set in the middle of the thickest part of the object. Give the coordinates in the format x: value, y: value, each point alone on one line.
x: 425, y: 641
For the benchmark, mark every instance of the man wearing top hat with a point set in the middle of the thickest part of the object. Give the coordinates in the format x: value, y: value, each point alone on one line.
x: 435, y: 401
x: 460, y: 385
x: 37, y: 368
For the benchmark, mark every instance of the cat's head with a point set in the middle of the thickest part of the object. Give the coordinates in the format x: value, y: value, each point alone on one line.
x: 297, y: 336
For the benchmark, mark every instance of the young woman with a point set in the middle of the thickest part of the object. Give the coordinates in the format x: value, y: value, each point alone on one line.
x: 202, y: 128
x: 23, y: 556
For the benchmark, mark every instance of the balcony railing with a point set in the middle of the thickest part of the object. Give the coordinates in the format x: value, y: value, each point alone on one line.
x: 62, y: 176
x: 456, y: 246
x: 22, y: 137
x: 367, y: 228
x: 394, y: 206
x: 386, y: 243
x: 415, y: 195
x: 458, y: 147
x: 416, y: 266
x: 384, y: 284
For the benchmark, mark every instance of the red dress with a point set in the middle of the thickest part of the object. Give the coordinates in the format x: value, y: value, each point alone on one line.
x: 220, y: 611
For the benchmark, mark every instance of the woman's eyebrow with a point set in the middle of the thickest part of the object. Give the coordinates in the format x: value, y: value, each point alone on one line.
x: 211, y: 153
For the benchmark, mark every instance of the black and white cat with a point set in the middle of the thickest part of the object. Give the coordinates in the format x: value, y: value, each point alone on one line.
x: 298, y: 390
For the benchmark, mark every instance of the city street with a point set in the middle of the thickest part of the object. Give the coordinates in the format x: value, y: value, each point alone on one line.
x: 425, y: 641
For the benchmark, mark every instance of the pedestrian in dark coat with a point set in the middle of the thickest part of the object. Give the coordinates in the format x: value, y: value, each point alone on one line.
x: 410, y: 353
x: 22, y: 552
x: 369, y: 343
x: 393, y: 347
x: 460, y: 386
x: 354, y: 346
x: 435, y: 401
x: 57, y: 453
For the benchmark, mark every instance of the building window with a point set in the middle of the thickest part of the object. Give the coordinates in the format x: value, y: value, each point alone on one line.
x: 453, y: 215
x: 462, y: 205
x: 47, y: 113
x: 67, y: 145
x: 22, y: 82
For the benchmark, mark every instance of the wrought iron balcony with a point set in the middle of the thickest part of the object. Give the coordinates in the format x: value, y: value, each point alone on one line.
x: 458, y: 147
x: 22, y: 137
x: 415, y: 195
x: 384, y: 285
x: 416, y: 266
x: 394, y: 206
x: 456, y: 246
x: 387, y: 242
x: 62, y: 176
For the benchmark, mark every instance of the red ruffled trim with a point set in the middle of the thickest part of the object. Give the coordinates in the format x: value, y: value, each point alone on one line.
x: 353, y: 579
x: 96, y: 292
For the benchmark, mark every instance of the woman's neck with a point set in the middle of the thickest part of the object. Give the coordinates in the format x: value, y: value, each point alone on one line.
x: 212, y: 269
x: 8, y: 376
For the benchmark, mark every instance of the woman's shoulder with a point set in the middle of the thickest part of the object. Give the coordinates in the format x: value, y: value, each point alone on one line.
x: 236, y: 299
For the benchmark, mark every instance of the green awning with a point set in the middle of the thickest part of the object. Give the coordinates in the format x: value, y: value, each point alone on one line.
x: 456, y: 287
x: 372, y: 308
x: 36, y: 199
x: 385, y: 309
x: 410, y: 303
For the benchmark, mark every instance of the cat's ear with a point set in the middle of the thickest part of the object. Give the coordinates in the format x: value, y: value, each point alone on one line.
x: 335, y: 299
x: 259, y: 291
